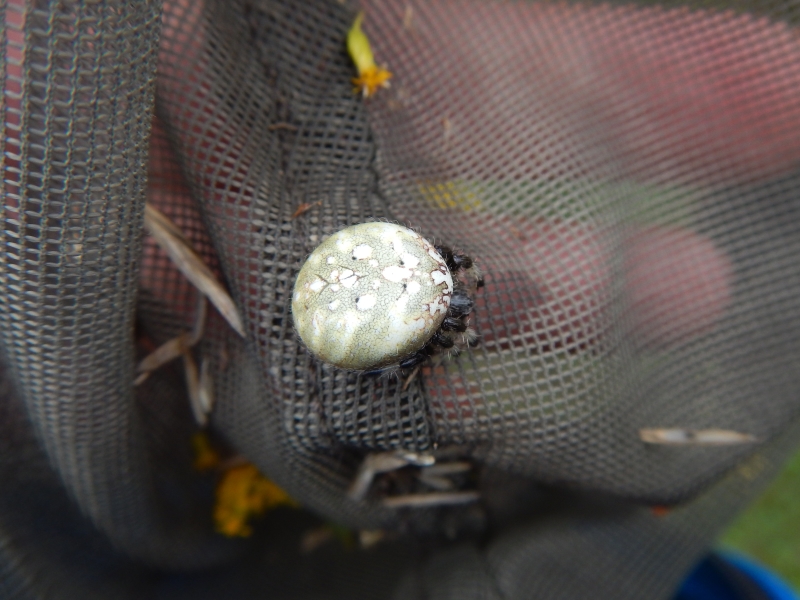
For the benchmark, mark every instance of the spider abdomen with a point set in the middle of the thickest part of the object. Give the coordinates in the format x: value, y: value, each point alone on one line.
x: 370, y: 296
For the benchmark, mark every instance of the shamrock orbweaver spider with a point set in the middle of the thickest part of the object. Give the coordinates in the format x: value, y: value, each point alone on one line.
x: 377, y: 296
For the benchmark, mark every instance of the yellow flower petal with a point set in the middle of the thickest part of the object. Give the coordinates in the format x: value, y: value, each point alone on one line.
x: 371, y: 80
x: 243, y: 493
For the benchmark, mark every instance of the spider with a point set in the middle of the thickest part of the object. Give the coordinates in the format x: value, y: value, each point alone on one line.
x: 377, y: 296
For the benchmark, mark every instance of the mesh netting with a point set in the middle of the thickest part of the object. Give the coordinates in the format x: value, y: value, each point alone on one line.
x: 624, y: 175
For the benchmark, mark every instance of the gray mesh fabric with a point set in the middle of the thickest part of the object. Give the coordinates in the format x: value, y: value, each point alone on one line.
x: 75, y: 148
x: 625, y: 175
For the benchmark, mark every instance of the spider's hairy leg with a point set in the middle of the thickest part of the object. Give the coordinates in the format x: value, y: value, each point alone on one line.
x: 412, y: 361
x: 442, y: 340
x: 460, y: 303
x: 447, y: 254
x: 454, y: 324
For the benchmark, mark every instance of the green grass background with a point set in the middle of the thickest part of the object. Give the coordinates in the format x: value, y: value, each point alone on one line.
x: 769, y: 530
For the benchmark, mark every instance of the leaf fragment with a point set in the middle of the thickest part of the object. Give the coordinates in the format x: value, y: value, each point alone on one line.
x: 304, y: 208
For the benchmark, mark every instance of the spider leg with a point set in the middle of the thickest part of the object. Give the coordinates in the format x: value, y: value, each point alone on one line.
x: 457, y: 261
x: 415, y: 359
x: 412, y: 362
x: 411, y: 377
x: 460, y: 303
x: 454, y: 324
x: 375, y: 371
x: 476, y: 273
x: 447, y: 254
x: 462, y: 261
x: 442, y: 340
x: 472, y: 338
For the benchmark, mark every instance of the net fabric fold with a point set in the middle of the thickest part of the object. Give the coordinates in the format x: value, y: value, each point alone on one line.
x: 624, y: 175
x: 47, y: 547
x: 77, y: 126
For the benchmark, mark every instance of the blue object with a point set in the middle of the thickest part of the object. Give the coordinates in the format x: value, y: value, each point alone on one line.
x: 772, y: 584
x: 729, y: 576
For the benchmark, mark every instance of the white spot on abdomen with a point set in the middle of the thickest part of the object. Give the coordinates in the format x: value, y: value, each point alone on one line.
x: 362, y: 251
x: 438, y: 277
x: 442, y: 278
x: 435, y: 256
x: 409, y: 260
x: 437, y: 306
x: 399, y: 308
x: 396, y: 274
x: 366, y: 302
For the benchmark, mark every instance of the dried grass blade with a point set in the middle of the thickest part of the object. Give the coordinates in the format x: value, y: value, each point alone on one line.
x: 206, y: 391
x: 180, y: 251
x: 695, y: 437
x: 193, y: 387
x: 200, y: 315
x: 169, y: 350
x: 432, y: 499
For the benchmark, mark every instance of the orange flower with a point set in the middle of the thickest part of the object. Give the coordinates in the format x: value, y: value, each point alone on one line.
x: 371, y: 80
x: 371, y: 77
x: 242, y: 493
